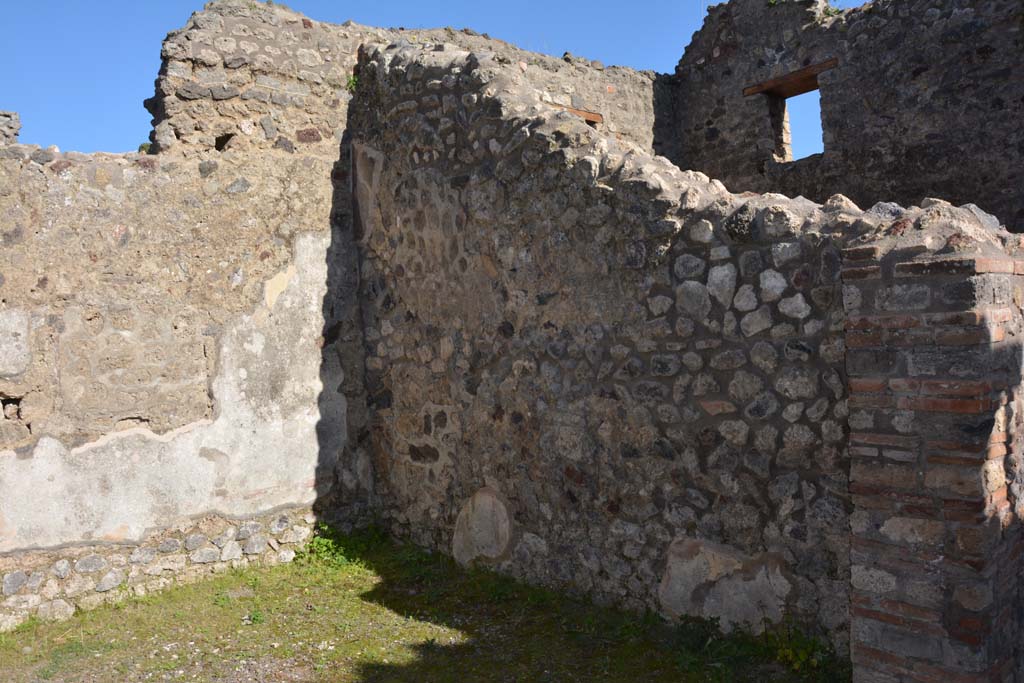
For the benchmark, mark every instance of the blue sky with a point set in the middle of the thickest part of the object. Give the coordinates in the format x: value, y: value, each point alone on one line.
x: 77, y: 71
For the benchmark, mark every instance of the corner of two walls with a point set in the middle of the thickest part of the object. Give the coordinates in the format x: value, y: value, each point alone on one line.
x: 592, y: 369
x: 596, y: 371
x: 182, y: 356
x: 184, y: 378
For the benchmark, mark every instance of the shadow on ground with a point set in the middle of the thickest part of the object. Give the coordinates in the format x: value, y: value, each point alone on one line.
x: 514, y: 632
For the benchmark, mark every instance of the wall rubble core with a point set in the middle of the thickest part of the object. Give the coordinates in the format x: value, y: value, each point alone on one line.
x: 10, y: 125
x: 396, y: 275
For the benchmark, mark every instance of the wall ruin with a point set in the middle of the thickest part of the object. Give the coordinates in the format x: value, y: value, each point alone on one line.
x: 427, y: 278
x: 595, y: 370
x: 622, y: 377
x: 921, y: 101
x: 180, y: 333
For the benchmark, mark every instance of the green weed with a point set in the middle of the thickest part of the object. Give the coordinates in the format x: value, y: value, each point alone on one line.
x: 363, y: 607
x: 59, y: 658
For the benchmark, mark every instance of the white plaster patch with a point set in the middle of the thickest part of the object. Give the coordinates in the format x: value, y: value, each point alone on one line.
x: 712, y: 580
x: 127, y: 482
x: 14, y: 342
x: 482, y: 530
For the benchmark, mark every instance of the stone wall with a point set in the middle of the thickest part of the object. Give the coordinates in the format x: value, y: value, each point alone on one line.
x: 634, y: 377
x: 180, y: 338
x: 54, y: 584
x: 934, y: 346
x: 167, y: 355
x: 244, y: 74
x: 445, y: 283
x: 10, y: 125
x: 922, y: 102
x: 596, y: 371
x: 179, y: 332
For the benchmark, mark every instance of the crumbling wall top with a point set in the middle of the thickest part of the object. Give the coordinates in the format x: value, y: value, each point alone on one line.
x: 917, y: 100
x: 245, y: 74
x: 10, y: 125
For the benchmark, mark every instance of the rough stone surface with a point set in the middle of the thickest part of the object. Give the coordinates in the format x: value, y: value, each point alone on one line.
x: 231, y: 551
x: 940, y: 120
x: 205, y: 555
x: 716, y: 581
x: 436, y: 295
x: 110, y: 581
x: 610, y: 422
x: 261, y: 450
x: 13, y: 582
x: 91, y: 564
x: 10, y: 125
x: 53, y: 584
x: 14, y: 338
x: 55, y: 610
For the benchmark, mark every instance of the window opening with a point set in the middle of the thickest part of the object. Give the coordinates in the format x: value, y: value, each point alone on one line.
x: 803, y: 114
x: 794, y: 110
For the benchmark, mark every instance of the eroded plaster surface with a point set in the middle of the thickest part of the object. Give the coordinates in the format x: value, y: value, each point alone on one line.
x: 260, y: 451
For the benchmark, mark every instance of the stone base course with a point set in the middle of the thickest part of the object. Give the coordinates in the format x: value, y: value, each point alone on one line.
x: 54, y: 584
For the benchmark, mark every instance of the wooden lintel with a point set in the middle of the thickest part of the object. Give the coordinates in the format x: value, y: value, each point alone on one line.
x: 588, y: 116
x: 795, y: 83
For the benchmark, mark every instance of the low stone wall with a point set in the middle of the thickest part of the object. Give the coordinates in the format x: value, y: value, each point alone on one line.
x: 53, y: 584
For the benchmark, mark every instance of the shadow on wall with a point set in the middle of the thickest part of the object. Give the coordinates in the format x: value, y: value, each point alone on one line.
x: 344, y: 481
x: 665, y: 94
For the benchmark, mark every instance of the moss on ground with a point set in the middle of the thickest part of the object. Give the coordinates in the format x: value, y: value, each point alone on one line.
x: 362, y: 608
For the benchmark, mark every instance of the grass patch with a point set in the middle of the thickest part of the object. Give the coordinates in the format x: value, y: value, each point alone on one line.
x: 362, y: 608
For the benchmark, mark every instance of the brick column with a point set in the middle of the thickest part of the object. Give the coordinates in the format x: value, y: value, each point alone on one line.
x: 933, y: 358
